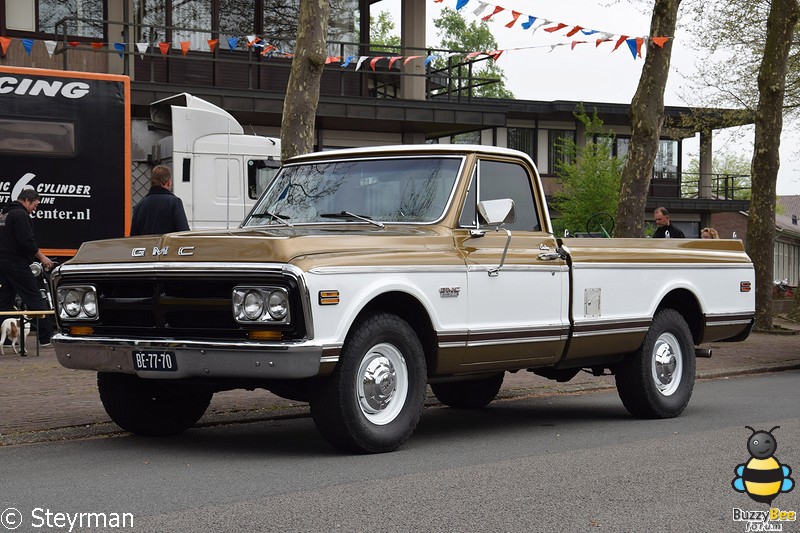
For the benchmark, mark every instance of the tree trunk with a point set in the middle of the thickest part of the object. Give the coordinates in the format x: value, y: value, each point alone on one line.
x: 647, y: 115
x: 302, y: 92
x: 783, y: 16
x: 794, y: 314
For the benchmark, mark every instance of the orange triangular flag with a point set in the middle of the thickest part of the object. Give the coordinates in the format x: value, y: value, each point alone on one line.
x: 164, y: 47
x: 212, y: 44
x: 559, y: 26
x: 373, y: 61
x: 494, y: 54
x: 639, y: 42
x: 659, y: 41
x: 621, y: 40
x: 185, y: 47
x: 97, y: 46
x: 515, y: 15
x: 574, y: 30
x: 4, y: 42
x: 497, y: 9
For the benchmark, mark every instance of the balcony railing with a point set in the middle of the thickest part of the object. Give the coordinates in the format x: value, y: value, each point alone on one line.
x: 690, y: 185
x: 448, y: 74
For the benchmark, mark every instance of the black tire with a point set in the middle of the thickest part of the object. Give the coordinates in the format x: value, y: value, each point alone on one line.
x: 151, y: 407
x: 657, y: 380
x: 373, y: 400
x: 473, y: 394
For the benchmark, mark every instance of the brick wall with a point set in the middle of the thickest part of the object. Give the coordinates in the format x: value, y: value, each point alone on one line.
x: 728, y: 223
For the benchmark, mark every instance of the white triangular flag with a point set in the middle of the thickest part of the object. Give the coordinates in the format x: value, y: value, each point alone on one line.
x: 142, y: 48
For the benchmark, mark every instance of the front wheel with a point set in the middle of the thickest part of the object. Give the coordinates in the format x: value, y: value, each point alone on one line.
x: 657, y: 380
x: 150, y: 407
x: 373, y: 400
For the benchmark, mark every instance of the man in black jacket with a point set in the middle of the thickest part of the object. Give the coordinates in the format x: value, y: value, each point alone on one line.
x: 160, y: 211
x: 18, y: 250
x: 665, y: 229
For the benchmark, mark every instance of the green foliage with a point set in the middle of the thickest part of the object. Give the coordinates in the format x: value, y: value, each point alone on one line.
x: 456, y: 34
x: 589, y: 175
x: 380, y: 33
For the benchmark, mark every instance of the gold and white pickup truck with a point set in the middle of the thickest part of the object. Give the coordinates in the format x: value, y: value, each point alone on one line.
x: 361, y: 276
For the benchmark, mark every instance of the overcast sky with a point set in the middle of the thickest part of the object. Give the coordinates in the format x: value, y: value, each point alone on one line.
x: 591, y: 73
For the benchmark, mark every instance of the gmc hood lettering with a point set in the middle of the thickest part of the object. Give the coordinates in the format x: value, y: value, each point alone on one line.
x: 182, y: 251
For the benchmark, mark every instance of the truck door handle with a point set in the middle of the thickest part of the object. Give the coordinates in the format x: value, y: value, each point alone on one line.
x: 550, y: 256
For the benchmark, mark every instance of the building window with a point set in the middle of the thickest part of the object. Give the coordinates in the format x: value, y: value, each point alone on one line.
x: 555, y: 148
x: 522, y: 139
x: 86, y: 17
x: 472, y: 137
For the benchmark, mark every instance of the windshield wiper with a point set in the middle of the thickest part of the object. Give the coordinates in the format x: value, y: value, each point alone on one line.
x: 273, y: 216
x: 349, y: 215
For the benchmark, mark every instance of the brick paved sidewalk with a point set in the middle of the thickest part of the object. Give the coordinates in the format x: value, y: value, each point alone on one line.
x: 38, y: 394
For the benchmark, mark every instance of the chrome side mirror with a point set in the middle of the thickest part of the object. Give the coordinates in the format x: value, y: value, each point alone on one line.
x: 496, y: 213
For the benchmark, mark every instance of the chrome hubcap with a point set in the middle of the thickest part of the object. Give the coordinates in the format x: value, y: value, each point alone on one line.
x: 667, y: 364
x: 382, y: 385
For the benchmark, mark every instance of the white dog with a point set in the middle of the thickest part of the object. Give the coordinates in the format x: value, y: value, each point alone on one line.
x: 10, y: 330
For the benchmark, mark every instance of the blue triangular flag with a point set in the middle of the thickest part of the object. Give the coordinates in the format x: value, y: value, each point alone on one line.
x: 347, y: 62
x: 461, y: 3
x: 531, y: 20
x: 232, y: 42
x: 120, y: 47
x: 632, y: 45
x: 27, y: 44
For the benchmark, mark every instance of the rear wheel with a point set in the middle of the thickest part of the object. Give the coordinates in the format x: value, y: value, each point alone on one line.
x: 657, y: 380
x: 373, y: 400
x: 150, y: 407
x: 472, y: 394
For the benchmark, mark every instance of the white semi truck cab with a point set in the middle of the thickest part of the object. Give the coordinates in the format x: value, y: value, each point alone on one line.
x: 218, y: 171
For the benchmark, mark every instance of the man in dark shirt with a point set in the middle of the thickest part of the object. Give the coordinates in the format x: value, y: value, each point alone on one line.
x: 18, y: 250
x: 665, y: 229
x: 160, y: 211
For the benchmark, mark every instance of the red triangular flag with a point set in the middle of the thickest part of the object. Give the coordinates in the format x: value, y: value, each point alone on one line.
x: 575, y: 43
x: 597, y: 43
x: 97, y: 46
x: 212, y: 44
x: 574, y: 30
x: 395, y: 58
x: 4, y: 42
x: 73, y: 43
x: 659, y: 41
x: 497, y: 9
x: 164, y: 47
x: 515, y: 15
x: 185, y: 47
x: 559, y: 26
x: 409, y: 58
x: 494, y: 54
x: 621, y: 40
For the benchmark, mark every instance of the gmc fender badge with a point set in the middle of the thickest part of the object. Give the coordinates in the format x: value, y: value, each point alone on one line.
x: 182, y: 251
x: 449, y: 292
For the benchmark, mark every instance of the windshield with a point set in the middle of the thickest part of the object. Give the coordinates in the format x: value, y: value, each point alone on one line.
x: 398, y: 189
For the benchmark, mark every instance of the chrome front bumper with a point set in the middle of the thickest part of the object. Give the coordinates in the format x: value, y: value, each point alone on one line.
x: 254, y: 360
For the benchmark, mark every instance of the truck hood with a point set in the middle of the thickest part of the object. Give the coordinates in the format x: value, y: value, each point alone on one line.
x: 306, y: 246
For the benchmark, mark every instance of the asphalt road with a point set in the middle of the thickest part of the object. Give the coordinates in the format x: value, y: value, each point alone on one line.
x: 558, y: 463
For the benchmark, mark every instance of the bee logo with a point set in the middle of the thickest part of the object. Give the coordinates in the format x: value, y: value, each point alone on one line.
x: 762, y: 477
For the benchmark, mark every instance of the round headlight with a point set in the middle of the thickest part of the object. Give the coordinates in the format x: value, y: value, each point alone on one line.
x: 278, y: 306
x: 90, y: 303
x: 72, y: 303
x: 253, y: 305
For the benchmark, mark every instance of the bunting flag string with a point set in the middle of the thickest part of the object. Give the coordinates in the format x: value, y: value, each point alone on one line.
x: 534, y: 23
